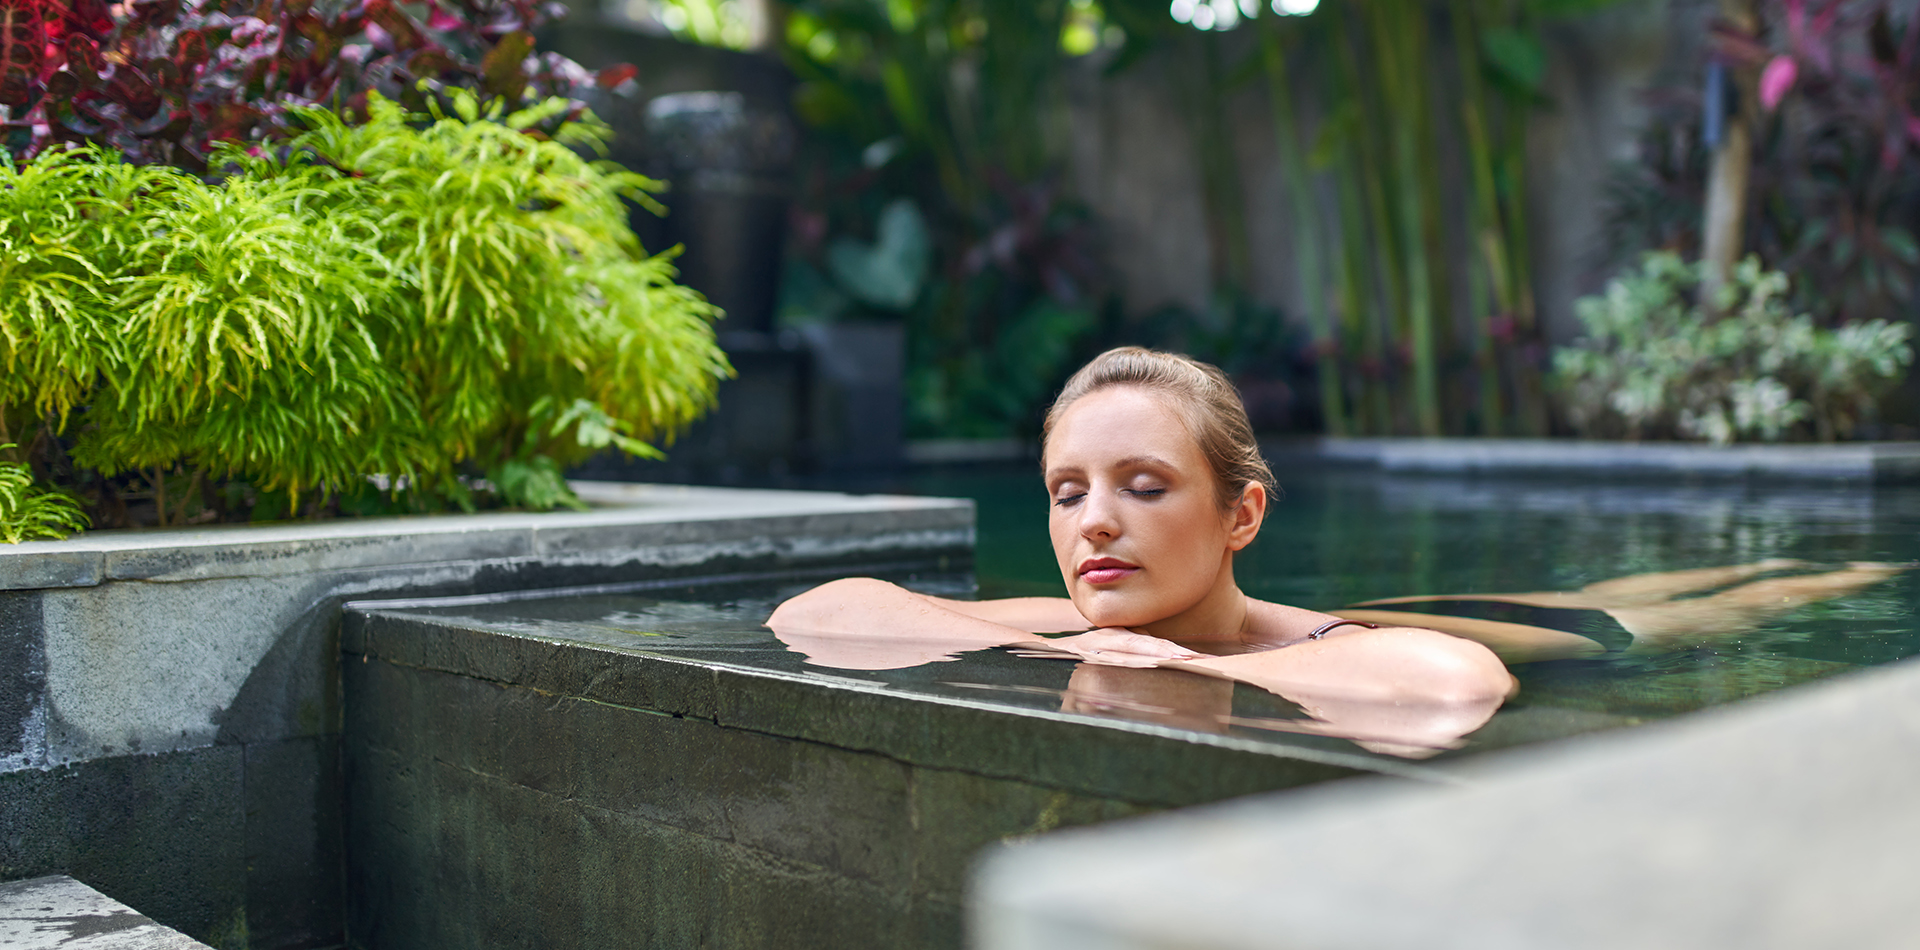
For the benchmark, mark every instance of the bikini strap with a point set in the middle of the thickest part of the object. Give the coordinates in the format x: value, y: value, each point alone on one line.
x: 1321, y: 631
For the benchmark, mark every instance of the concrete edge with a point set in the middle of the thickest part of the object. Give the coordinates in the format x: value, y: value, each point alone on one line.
x: 653, y: 517
x: 56, y: 911
x: 1885, y: 462
x: 842, y: 711
x: 1060, y: 890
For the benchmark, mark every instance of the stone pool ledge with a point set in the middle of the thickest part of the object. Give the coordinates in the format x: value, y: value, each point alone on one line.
x: 1785, y: 821
x: 517, y: 784
x: 667, y: 526
x: 170, y: 713
x: 1864, y: 462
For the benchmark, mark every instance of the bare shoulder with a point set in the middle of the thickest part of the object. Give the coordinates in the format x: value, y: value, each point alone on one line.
x: 838, y: 595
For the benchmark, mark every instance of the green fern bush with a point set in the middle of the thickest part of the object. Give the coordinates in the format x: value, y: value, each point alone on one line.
x: 432, y: 304
x: 1654, y: 364
x: 28, y: 513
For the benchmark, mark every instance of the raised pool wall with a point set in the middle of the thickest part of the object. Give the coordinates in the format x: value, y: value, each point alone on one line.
x: 513, y: 784
x: 170, y: 700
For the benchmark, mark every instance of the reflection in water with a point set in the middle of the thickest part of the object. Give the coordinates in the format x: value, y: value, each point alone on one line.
x: 1663, y: 611
x: 880, y: 651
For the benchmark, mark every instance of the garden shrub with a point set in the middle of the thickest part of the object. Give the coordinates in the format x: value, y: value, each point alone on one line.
x: 28, y: 513
x: 381, y: 316
x: 1657, y: 364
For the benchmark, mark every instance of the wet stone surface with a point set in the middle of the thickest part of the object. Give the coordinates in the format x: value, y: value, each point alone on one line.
x: 60, y: 913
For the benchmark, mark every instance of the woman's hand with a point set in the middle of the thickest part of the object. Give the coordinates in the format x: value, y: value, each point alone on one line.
x: 1108, y: 646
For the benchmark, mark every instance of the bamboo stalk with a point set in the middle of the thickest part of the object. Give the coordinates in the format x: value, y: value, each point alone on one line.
x: 1354, y: 283
x: 1530, y: 400
x: 1306, y: 231
x: 1220, y: 167
x: 1485, y: 219
x: 1398, y: 40
x: 1423, y: 106
x: 1374, y: 248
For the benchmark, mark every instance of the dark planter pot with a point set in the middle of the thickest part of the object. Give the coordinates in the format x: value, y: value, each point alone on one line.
x: 728, y: 164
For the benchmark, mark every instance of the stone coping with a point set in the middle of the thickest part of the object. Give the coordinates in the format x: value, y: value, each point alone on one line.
x: 1840, y: 461
x: 1785, y: 821
x: 601, y: 663
x: 814, y: 524
x: 60, y: 913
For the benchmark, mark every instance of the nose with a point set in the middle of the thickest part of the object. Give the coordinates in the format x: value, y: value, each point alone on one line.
x: 1099, y: 516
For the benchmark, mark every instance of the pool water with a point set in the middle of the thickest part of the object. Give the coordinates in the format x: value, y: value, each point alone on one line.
x: 1339, y: 538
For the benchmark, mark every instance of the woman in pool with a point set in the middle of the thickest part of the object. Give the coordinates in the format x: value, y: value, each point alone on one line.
x: 1156, y: 483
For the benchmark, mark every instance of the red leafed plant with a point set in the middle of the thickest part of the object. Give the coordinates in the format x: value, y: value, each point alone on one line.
x: 1835, y: 194
x: 160, y: 80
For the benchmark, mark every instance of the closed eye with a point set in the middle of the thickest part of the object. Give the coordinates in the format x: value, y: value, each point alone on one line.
x: 1146, y: 492
x: 1066, y: 501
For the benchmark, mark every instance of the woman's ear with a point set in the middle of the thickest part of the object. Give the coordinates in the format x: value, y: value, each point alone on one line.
x: 1247, y: 515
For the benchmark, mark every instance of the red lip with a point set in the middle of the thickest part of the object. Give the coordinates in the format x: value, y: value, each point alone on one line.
x: 1106, y: 570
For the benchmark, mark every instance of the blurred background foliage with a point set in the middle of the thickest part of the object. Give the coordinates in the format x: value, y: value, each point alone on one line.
x: 1401, y: 128
x: 1835, y: 190
x: 1402, y: 136
x: 934, y: 168
x: 1656, y: 361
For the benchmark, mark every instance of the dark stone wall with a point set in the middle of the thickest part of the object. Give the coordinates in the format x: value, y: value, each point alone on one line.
x: 487, y: 815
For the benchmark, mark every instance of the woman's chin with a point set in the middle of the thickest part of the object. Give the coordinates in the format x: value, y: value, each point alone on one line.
x: 1104, y: 612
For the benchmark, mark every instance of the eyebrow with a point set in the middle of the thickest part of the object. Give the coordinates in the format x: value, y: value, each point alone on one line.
x: 1131, y: 461
x: 1050, y: 474
x: 1147, y: 461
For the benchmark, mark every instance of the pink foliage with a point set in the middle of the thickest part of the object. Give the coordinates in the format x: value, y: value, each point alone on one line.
x: 1776, y: 79
x: 161, y: 80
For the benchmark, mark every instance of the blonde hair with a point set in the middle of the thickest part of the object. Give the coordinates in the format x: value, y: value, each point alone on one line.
x: 1200, y: 392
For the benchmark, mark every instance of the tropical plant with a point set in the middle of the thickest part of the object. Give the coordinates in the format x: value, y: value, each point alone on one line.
x: 938, y: 121
x: 161, y: 80
x: 1656, y: 363
x: 28, y: 513
x: 439, y: 303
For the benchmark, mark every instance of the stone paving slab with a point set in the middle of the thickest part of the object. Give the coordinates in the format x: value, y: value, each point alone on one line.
x: 1781, y: 822
x: 60, y: 913
x: 1887, y: 462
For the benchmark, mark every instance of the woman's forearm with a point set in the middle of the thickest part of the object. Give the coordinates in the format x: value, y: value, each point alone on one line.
x: 1032, y: 614
x: 865, y: 607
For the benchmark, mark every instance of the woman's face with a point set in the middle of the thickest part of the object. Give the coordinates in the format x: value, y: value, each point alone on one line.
x: 1136, y: 525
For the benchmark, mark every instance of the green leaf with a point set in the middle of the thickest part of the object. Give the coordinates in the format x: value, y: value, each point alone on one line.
x: 1515, y: 56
